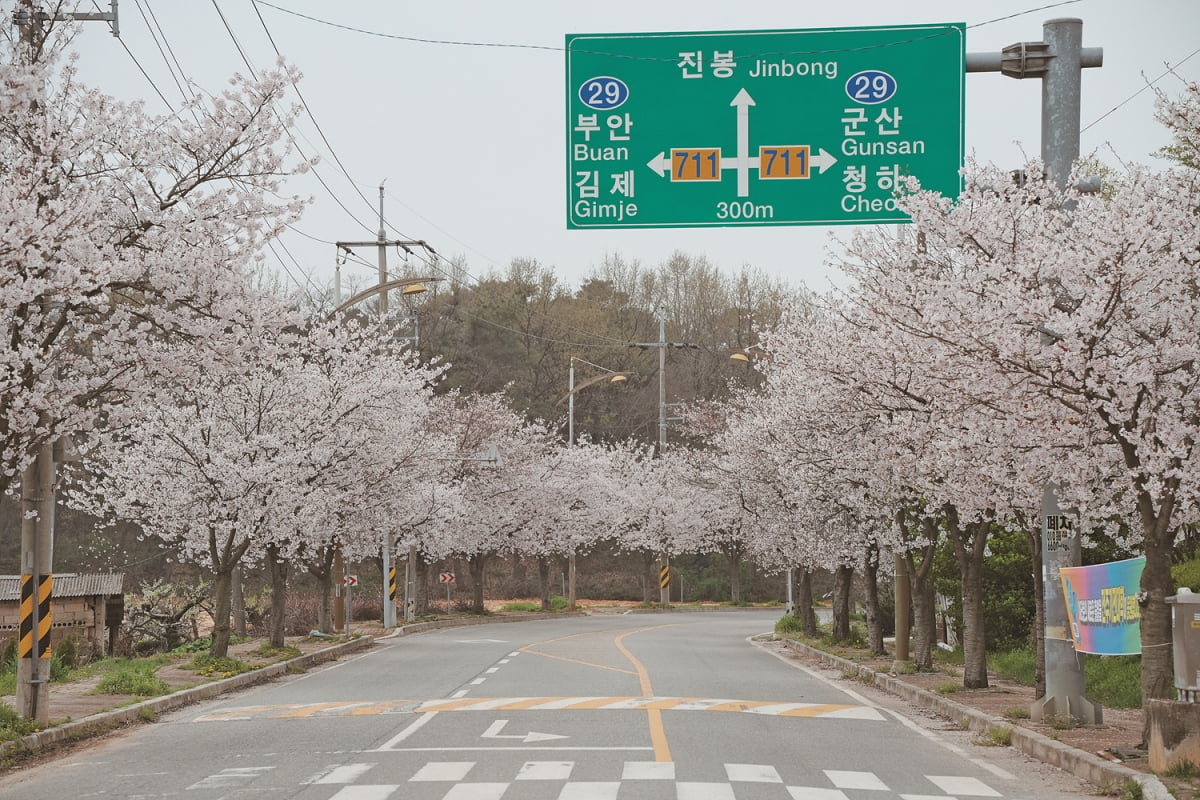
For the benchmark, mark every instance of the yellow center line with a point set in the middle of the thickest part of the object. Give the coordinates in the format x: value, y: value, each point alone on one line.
x: 658, y: 734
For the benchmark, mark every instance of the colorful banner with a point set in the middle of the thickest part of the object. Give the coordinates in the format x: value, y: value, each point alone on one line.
x: 1102, y: 606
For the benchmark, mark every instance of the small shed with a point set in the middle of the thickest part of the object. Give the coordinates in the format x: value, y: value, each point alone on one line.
x: 86, y: 607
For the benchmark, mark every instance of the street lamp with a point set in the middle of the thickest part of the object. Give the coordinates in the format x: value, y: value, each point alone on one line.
x: 611, y: 376
x: 750, y: 354
x: 408, y: 287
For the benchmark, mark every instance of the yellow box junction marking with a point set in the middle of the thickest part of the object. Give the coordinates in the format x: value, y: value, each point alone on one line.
x: 631, y: 703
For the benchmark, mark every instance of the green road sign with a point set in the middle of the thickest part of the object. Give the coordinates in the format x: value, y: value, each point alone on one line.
x: 802, y: 127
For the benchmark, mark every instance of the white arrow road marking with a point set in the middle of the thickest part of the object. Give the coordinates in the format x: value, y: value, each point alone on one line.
x: 743, y: 101
x: 661, y: 164
x: 493, y: 732
x: 823, y: 160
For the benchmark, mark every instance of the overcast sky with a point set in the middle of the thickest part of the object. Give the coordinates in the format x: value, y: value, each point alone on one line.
x: 471, y: 140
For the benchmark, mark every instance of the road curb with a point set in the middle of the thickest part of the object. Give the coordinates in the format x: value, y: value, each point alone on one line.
x: 138, y: 712
x: 1093, y: 769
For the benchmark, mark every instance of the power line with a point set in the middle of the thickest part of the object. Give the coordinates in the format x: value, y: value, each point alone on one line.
x: 161, y: 51
x: 1169, y: 70
x: 556, y: 49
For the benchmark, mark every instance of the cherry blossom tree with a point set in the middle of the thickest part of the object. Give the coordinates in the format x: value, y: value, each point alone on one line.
x: 495, y: 504
x: 1072, y: 316
x: 282, y: 455
x: 120, y: 230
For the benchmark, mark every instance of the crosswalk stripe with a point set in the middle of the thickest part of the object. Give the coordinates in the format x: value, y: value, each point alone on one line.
x: 963, y: 787
x: 455, y: 784
x: 346, y: 773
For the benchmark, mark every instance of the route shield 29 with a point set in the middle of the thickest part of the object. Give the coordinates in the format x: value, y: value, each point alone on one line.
x: 799, y: 127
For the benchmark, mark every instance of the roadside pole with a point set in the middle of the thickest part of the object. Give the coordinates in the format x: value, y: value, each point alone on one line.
x: 1059, y: 60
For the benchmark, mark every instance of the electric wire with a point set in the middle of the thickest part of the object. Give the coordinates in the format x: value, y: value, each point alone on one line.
x: 161, y: 51
x: 577, y: 51
x: 141, y: 69
x: 1170, y: 69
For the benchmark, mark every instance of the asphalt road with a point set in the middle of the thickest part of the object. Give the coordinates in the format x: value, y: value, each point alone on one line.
x: 670, y: 706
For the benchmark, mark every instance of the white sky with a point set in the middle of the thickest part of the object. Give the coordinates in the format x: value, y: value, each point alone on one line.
x: 471, y: 140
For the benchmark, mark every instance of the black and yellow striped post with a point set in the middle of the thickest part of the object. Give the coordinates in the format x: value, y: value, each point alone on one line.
x: 664, y: 583
x: 35, y: 614
x: 391, y: 595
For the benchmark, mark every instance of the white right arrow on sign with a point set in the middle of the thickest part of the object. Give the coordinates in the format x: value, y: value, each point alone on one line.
x: 823, y: 160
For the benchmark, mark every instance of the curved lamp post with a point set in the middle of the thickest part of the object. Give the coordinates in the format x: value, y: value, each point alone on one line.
x: 609, y: 376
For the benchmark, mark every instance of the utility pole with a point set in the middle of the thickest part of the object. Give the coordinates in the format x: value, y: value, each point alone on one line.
x: 382, y: 243
x: 37, y: 481
x: 664, y: 583
x: 1059, y: 61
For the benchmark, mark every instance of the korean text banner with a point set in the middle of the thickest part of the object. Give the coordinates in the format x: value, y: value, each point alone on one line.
x: 1102, y: 606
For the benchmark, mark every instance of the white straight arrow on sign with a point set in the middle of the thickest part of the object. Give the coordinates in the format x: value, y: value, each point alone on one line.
x: 493, y: 732
x: 742, y: 102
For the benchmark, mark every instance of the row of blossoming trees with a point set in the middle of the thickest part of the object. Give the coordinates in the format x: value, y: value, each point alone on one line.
x: 1016, y: 338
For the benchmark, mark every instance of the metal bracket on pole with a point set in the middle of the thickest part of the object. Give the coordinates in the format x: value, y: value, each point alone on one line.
x: 24, y: 16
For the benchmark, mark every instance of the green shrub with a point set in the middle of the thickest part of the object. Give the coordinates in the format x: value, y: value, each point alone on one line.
x: 1016, y: 713
x: 1184, y: 770
x: 135, y: 680
x: 857, y: 638
x: 67, y: 653
x: 1018, y: 665
x: 950, y: 688
x: 13, y: 725
x: 268, y: 650
x: 559, y: 603
x: 200, y: 645
x: 1131, y: 790
x: 789, y: 624
x: 943, y: 656
x: 522, y: 605
x: 997, y: 736
x: 1187, y: 574
x: 1114, y: 681
x: 211, y: 666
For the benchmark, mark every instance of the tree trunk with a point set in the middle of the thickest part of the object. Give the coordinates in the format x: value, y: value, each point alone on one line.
x: 924, y: 624
x: 1158, y: 667
x: 968, y: 550
x: 277, y: 568
x: 804, y: 602
x: 543, y: 564
x: 649, y: 577
x: 841, y: 602
x: 919, y: 563
x: 222, y: 600
x: 969, y: 542
x: 871, y: 585
x: 321, y: 568
x: 477, y: 563
x: 420, y: 587
x: 734, y: 554
x: 239, y: 603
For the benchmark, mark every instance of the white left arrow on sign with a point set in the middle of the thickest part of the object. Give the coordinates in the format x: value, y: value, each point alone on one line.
x: 661, y: 164
x: 493, y: 732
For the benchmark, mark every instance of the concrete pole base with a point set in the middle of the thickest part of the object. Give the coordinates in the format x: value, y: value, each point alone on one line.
x: 1074, y: 707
